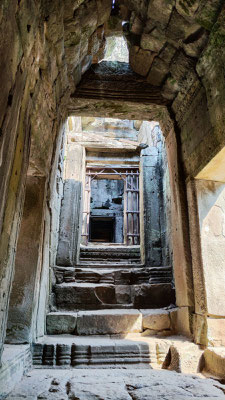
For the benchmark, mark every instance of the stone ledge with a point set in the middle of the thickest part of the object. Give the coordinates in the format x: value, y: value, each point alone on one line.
x: 114, y: 321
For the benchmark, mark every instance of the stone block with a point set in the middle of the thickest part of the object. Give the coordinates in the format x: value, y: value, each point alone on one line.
x: 153, y: 41
x: 59, y: 323
x: 156, y: 320
x: 214, y: 362
x: 158, y: 11
x: 152, y: 296
x: 158, y: 72
x: 167, y: 53
x: 141, y: 60
x: 184, y: 357
x: 123, y: 294
x: 215, y: 331
x: 109, y: 322
x: 179, y: 28
x: 81, y: 296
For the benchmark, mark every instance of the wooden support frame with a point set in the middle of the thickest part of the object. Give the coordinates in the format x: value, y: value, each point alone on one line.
x: 130, y: 176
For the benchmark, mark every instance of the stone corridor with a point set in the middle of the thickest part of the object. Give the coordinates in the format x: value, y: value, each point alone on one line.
x: 112, y: 199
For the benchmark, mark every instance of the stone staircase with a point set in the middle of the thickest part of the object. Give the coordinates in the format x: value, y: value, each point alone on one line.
x: 97, y: 304
x: 111, y: 278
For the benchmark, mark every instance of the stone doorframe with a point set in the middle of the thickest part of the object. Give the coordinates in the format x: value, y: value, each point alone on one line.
x: 182, y: 263
x: 206, y: 201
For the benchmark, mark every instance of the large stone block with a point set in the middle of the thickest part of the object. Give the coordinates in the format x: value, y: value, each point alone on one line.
x: 158, y: 72
x: 109, y: 322
x: 157, y: 320
x: 59, y: 323
x: 81, y: 296
x: 141, y: 60
x: 153, y: 41
x: 159, y: 11
x: 153, y: 296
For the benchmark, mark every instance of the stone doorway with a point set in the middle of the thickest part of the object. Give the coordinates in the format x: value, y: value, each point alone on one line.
x: 112, y: 201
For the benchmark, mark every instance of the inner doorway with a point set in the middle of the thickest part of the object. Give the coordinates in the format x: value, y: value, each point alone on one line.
x: 111, y: 212
x: 106, y: 209
x: 102, y: 229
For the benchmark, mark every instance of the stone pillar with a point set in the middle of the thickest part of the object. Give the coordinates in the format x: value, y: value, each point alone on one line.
x: 207, y: 227
x: 71, y: 207
x: 182, y: 264
x: 151, y: 178
x: 27, y: 264
x: 151, y: 170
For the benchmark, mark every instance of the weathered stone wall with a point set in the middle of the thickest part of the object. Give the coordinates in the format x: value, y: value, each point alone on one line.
x: 28, y: 263
x: 207, y: 224
x: 36, y: 251
x: 42, y: 52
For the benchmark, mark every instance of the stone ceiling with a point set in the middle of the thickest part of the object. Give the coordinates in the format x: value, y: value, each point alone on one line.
x: 48, y: 46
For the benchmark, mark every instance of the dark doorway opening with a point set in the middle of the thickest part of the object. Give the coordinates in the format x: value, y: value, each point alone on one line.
x: 102, y: 229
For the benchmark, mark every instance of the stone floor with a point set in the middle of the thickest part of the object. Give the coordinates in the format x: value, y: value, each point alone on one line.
x: 115, y: 384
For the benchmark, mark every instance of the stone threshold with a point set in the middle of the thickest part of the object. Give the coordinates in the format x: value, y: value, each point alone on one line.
x: 176, y: 353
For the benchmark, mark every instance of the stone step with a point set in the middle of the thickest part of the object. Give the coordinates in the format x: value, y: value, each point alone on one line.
x: 95, y: 259
x: 75, y: 296
x: 90, y: 253
x: 113, y: 322
x: 175, y: 353
x: 90, y: 352
x: 113, y: 276
x: 109, y: 264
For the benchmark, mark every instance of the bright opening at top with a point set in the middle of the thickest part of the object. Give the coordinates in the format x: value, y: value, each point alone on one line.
x: 116, y: 49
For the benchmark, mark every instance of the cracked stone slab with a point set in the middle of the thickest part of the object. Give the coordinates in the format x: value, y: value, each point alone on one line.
x: 115, y: 384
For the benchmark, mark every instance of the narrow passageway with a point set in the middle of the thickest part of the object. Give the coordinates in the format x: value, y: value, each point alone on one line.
x: 117, y: 280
